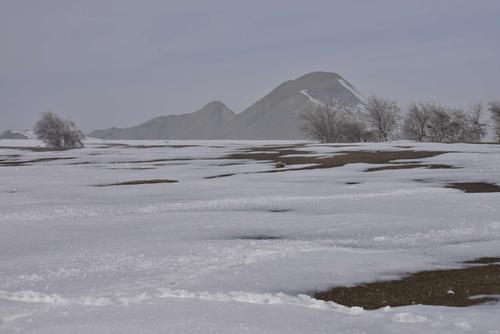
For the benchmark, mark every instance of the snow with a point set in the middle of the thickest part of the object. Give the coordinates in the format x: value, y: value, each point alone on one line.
x: 179, y: 257
x: 352, y: 90
x: 314, y: 101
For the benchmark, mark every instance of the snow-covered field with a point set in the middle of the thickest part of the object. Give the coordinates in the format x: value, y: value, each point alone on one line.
x: 236, y: 254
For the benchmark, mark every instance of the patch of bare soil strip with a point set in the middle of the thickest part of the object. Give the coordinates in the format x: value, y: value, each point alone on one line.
x: 453, y: 287
x: 154, y: 160
x: 484, y: 260
x: 218, y: 176
x: 410, y: 166
x: 40, y: 148
x: 257, y: 237
x: 145, y: 146
x: 137, y: 182
x: 17, y: 163
x: 275, y: 154
x: 475, y: 187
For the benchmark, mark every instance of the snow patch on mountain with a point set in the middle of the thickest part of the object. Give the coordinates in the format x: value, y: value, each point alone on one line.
x: 352, y: 90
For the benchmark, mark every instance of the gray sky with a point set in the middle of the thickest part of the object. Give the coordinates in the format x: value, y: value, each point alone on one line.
x: 121, y: 62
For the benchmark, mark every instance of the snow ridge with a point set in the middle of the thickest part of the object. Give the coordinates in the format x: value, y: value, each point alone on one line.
x: 352, y: 90
x: 314, y: 101
x: 220, y: 204
x: 235, y: 296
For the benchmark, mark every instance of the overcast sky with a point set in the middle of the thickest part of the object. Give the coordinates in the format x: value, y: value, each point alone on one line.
x: 121, y: 62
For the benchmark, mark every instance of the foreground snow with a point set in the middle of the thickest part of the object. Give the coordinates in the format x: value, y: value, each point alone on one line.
x: 180, y: 257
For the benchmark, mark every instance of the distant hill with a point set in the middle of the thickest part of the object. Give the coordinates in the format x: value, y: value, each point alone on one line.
x: 201, y: 124
x: 275, y: 116
x: 10, y: 134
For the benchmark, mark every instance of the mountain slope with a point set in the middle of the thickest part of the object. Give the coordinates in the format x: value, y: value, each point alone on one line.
x: 201, y: 124
x: 275, y: 116
x: 10, y: 134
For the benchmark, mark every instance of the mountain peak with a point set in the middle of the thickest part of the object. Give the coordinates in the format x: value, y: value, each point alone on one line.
x: 319, y: 75
x: 215, y: 104
x: 216, y: 108
x: 274, y: 116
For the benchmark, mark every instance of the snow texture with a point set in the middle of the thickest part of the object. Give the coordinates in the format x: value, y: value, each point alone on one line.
x: 193, y: 257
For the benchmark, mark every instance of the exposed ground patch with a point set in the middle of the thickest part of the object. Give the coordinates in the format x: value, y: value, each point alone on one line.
x: 484, y: 260
x: 280, y: 210
x: 411, y: 166
x: 475, y: 187
x: 453, y: 287
x: 17, y: 163
x: 291, y: 156
x: 110, y: 145
x: 219, y: 176
x: 256, y: 237
x: 137, y: 182
x: 39, y: 148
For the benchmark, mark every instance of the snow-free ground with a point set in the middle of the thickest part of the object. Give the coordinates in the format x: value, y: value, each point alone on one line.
x: 235, y: 254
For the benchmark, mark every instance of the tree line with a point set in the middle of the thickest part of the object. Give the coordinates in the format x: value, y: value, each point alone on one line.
x: 378, y: 119
x: 382, y: 120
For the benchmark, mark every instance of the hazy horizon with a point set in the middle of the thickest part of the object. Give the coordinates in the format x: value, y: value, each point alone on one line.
x: 120, y: 63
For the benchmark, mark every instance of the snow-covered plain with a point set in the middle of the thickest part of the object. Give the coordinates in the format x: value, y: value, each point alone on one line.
x: 183, y: 257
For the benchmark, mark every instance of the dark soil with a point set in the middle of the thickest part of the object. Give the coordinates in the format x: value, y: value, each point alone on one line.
x: 110, y: 145
x: 410, y: 166
x: 484, y: 260
x: 257, y: 237
x: 219, y: 176
x: 39, y: 148
x: 278, y: 153
x: 475, y: 187
x: 453, y: 287
x: 137, y: 182
x: 18, y: 163
x: 280, y: 210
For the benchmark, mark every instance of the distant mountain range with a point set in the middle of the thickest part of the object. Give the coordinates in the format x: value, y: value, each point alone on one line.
x: 274, y: 116
x: 11, y: 134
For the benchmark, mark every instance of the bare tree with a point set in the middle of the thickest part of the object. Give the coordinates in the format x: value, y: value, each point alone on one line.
x: 448, y: 125
x: 477, y: 129
x: 416, y: 121
x: 332, y: 122
x: 322, y: 121
x: 437, y: 123
x: 383, y: 116
x: 57, y: 132
x: 494, y: 108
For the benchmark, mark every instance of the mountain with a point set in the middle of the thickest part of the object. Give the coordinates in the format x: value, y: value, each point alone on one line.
x: 9, y: 134
x: 275, y: 116
x: 201, y: 124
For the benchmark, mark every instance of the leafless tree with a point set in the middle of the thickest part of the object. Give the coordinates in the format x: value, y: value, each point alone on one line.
x: 437, y: 123
x: 383, y: 116
x: 416, y: 121
x: 477, y: 128
x: 494, y: 108
x: 322, y: 121
x: 57, y: 132
x: 332, y: 122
